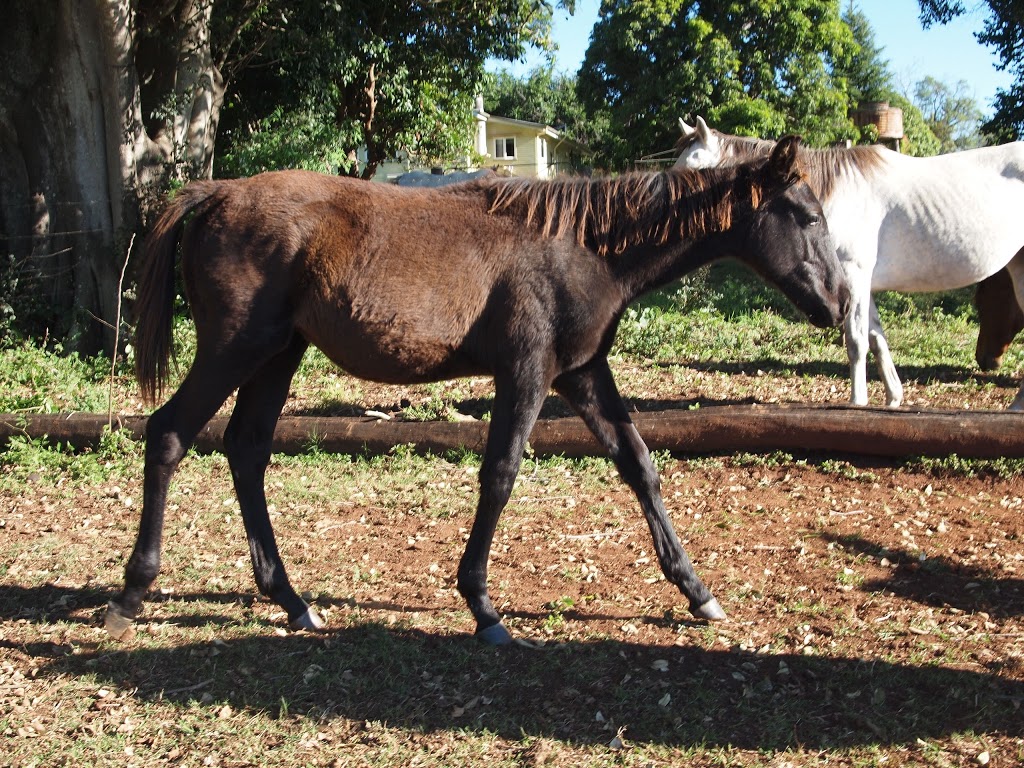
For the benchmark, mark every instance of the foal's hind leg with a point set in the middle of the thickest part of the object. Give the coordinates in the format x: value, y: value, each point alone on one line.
x: 593, y: 395
x: 247, y: 443
x: 170, y: 431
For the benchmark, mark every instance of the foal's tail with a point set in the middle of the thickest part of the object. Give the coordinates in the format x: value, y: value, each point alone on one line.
x: 155, y: 303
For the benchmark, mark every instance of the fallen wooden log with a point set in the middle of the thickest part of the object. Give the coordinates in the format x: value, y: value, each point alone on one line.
x: 713, y: 429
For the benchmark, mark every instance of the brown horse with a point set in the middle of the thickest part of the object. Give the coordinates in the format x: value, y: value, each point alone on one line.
x: 1000, y: 319
x: 521, y: 280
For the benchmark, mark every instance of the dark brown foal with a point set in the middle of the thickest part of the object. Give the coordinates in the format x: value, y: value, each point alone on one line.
x: 522, y: 280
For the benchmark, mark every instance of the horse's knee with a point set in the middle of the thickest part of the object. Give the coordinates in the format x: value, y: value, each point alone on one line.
x: 637, y: 468
x: 247, y: 449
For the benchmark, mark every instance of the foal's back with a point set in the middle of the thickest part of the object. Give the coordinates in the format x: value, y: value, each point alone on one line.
x: 393, y: 284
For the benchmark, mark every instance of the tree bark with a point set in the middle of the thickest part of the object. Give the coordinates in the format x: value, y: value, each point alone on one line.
x: 83, y: 158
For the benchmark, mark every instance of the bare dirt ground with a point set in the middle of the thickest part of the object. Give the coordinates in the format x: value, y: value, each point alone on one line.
x: 876, y: 609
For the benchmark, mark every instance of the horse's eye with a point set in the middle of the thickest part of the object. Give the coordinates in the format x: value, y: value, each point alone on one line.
x: 812, y: 220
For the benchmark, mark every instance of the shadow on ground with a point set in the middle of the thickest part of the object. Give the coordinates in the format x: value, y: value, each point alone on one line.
x: 677, y: 696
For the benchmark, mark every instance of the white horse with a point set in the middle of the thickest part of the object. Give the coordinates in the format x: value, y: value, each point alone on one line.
x: 900, y: 223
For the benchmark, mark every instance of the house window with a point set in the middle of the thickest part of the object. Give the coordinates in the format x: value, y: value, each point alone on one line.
x: 543, y: 149
x: 505, y: 147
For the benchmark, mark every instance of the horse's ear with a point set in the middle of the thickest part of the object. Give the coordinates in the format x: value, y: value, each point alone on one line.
x: 686, y: 130
x: 703, y: 132
x: 782, y: 165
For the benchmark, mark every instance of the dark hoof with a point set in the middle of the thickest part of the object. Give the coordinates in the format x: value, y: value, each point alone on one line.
x: 117, y: 624
x: 710, y: 610
x: 496, y: 634
x: 310, y: 620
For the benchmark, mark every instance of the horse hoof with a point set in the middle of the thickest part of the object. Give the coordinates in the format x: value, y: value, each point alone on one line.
x: 710, y: 610
x: 310, y: 620
x: 496, y: 634
x: 116, y: 624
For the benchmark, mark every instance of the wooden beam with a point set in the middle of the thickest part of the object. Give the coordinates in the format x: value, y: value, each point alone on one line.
x: 714, y: 429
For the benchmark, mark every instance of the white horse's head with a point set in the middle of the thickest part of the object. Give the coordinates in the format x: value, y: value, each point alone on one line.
x: 703, y: 148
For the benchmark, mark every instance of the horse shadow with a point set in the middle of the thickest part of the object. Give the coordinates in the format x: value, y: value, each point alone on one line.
x: 679, y: 697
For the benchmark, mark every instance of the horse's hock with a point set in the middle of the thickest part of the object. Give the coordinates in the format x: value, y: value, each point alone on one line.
x: 714, y: 429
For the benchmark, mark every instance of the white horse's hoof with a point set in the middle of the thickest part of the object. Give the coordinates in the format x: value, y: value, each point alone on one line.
x: 310, y: 620
x: 711, y: 610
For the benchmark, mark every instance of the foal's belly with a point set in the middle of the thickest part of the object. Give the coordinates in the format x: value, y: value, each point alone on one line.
x: 391, y: 351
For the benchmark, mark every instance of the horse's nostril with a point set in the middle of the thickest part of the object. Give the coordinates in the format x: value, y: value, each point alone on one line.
x: 844, y: 301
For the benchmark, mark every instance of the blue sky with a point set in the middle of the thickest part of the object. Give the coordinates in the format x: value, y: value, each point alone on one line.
x: 948, y: 53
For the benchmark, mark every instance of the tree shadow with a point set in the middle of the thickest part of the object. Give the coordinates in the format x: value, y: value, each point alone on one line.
x: 939, y: 581
x: 437, y: 682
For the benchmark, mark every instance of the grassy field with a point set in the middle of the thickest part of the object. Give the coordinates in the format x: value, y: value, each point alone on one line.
x: 876, y: 608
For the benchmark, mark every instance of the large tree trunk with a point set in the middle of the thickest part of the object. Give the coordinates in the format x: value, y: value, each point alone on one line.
x: 97, y: 114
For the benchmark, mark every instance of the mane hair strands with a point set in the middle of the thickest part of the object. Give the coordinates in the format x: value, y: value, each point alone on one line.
x: 611, y: 215
x: 821, y: 167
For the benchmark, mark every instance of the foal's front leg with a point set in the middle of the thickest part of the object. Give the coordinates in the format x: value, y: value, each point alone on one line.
x: 593, y: 395
x: 516, y: 405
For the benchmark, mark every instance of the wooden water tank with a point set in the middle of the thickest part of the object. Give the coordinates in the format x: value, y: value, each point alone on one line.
x: 888, y: 120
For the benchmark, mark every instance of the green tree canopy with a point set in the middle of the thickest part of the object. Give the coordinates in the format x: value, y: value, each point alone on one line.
x: 865, y: 71
x: 389, y: 77
x: 759, y: 68
x: 868, y: 78
x: 951, y: 114
x: 1004, y: 31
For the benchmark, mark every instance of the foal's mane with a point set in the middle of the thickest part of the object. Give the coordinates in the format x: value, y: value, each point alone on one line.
x: 823, y: 167
x: 611, y: 214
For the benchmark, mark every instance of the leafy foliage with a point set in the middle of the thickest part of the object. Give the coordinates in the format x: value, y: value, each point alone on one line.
x: 304, y: 138
x: 1004, y: 31
x: 391, y: 78
x: 918, y: 139
x: 759, y: 68
x: 950, y: 112
x: 868, y: 78
x: 36, y: 381
x: 865, y: 71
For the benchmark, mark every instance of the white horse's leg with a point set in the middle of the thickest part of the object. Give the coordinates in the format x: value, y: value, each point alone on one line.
x: 856, y: 327
x: 886, y: 367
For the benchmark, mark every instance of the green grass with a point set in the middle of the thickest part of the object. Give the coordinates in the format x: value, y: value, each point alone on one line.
x: 34, y: 380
